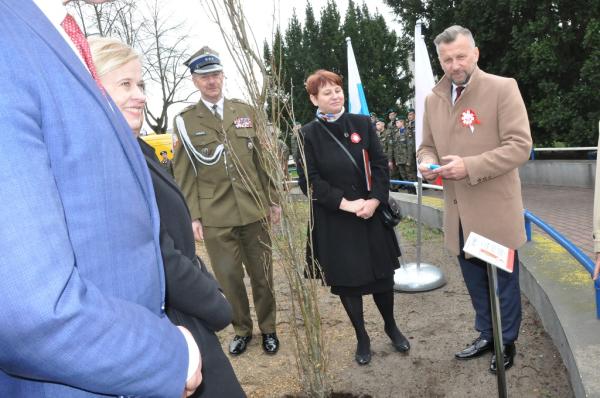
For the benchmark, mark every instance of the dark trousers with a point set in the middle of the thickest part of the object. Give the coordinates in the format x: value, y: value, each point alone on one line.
x: 474, y: 273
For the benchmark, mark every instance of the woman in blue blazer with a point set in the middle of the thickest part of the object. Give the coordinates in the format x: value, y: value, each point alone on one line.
x: 194, y: 299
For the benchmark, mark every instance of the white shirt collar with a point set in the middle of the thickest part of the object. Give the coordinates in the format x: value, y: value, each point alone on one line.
x: 454, y: 90
x: 56, y: 12
x: 219, y: 104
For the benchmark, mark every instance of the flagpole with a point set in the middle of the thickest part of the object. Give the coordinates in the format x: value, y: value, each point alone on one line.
x: 410, y: 277
x: 419, y: 276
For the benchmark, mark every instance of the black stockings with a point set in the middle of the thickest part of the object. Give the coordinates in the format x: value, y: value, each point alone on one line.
x: 385, y: 304
x: 354, y: 308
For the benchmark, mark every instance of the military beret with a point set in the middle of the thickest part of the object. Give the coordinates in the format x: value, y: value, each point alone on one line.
x: 391, y: 110
x: 411, y: 110
x: 401, y: 117
x: 204, y: 61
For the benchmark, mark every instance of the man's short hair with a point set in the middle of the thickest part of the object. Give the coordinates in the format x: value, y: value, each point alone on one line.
x: 450, y: 34
x: 163, y: 153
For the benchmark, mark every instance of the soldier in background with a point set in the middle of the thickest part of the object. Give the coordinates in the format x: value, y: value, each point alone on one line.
x: 401, y: 150
x: 410, y: 169
x: 380, y: 129
x: 373, y: 117
x: 392, y: 148
x: 231, y: 197
x: 165, y: 162
x: 391, y: 124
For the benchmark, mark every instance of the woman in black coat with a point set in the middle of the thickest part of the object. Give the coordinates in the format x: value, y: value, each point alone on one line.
x: 193, y: 297
x: 355, y: 251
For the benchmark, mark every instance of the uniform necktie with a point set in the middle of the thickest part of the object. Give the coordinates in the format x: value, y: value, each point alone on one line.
x: 459, y: 90
x: 78, y: 38
x: 215, y: 110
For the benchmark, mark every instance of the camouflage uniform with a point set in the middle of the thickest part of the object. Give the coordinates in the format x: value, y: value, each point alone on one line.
x: 410, y: 162
x: 393, y: 149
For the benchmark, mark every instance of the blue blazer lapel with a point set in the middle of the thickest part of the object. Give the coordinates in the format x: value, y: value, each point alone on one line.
x: 37, y: 21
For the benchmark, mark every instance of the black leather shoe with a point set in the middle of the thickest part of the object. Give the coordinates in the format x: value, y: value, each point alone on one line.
x: 270, y: 343
x: 238, y: 344
x: 477, y: 348
x: 509, y: 351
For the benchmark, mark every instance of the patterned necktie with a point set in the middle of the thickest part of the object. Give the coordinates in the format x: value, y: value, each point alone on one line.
x: 459, y: 90
x: 215, y: 110
x: 78, y: 38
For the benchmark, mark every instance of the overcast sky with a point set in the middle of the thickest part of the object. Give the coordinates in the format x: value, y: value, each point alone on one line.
x: 263, y: 17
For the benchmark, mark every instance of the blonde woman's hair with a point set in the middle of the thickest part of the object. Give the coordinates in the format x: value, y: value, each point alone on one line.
x: 110, y: 54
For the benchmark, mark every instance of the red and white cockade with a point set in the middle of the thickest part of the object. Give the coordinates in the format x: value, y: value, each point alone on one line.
x: 468, y: 118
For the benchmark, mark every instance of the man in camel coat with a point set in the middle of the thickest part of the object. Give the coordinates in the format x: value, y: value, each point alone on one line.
x: 475, y: 126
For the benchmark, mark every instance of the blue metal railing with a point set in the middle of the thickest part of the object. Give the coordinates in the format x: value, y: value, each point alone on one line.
x: 414, y: 184
x: 573, y: 250
x: 572, y: 149
x: 576, y: 252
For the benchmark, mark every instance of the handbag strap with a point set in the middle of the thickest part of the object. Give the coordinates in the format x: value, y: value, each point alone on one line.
x: 341, y: 146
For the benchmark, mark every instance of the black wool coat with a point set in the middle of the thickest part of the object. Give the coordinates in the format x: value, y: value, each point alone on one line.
x: 194, y: 299
x: 351, y: 251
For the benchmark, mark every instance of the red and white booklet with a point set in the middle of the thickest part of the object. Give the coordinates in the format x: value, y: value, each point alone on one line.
x: 367, y: 167
x: 489, y: 251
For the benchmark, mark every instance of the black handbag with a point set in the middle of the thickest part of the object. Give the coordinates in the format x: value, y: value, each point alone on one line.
x: 390, y: 211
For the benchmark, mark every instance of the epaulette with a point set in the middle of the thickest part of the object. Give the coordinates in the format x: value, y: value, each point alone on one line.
x: 187, y: 108
x: 239, y: 101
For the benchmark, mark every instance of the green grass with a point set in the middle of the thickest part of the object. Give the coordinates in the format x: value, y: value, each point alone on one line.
x: 408, y: 232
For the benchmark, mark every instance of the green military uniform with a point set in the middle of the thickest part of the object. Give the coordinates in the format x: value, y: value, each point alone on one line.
x: 166, y: 164
x: 222, y: 177
x: 391, y: 124
x: 391, y: 148
x: 410, y: 164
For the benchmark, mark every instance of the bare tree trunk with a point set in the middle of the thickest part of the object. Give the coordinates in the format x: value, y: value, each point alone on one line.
x: 261, y: 87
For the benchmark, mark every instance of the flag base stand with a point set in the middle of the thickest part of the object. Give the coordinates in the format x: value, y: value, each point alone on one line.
x: 418, y: 276
x: 413, y: 277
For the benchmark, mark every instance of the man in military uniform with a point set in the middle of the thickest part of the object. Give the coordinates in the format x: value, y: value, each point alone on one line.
x: 373, y: 117
x: 390, y: 145
x: 392, y: 118
x: 231, y: 197
x: 165, y: 162
x: 410, y: 168
x: 380, y: 129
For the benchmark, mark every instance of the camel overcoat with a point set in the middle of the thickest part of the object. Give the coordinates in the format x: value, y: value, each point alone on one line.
x: 488, y: 201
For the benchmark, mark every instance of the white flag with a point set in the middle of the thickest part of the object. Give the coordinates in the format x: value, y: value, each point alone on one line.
x: 423, y: 83
x: 357, y: 103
